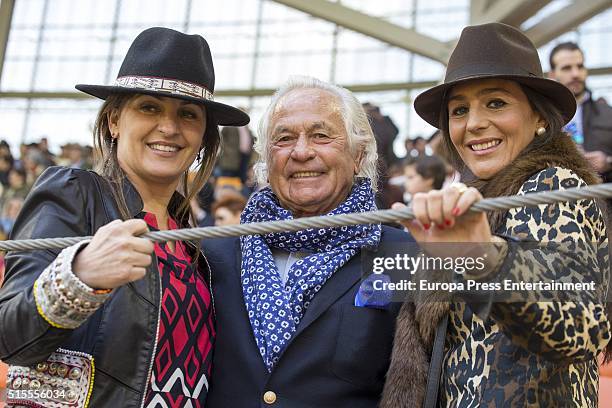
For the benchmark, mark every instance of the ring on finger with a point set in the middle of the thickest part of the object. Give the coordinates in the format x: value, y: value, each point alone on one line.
x: 460, y: 187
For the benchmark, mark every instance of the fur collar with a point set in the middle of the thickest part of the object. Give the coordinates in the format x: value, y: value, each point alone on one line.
x: 417, y: 322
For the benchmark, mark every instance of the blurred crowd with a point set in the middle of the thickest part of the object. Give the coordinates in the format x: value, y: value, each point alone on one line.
x: 17, y: 175
x: 423, y: 167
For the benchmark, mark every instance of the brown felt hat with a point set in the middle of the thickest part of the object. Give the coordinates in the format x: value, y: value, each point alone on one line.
x: 494, y: 50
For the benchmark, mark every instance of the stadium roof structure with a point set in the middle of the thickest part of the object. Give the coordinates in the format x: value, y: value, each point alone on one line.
x: 385, y: 51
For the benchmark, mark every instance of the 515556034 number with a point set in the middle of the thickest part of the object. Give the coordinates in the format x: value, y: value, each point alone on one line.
x: 29, y: 394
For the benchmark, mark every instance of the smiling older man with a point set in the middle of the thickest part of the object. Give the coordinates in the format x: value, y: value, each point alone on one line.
x: 289, y: 333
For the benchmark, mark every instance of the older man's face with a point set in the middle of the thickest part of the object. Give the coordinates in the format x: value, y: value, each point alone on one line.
x: 310, y: 167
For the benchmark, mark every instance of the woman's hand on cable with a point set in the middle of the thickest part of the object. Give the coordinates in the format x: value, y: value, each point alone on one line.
x: 115, y: 256
x: 442, y: 216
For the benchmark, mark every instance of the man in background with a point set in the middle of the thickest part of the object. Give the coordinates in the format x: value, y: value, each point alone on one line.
x: 236, y: 152
x: 591, y: 126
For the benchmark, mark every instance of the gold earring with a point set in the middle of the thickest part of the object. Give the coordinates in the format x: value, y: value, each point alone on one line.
x: 541, y: 130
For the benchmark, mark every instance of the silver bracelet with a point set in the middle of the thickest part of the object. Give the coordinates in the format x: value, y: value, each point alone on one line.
x: 62, y: 299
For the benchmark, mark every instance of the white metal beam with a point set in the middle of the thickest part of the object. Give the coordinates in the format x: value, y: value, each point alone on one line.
x: 477, y: 9
x: 374, y: 27
x: 513, y: 12
x: 565, y: 20
x: 359, y: 88
x: 6, y: 15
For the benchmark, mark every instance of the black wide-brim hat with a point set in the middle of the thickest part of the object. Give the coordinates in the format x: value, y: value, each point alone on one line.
x: 494, y: 50
x: 165, y: 62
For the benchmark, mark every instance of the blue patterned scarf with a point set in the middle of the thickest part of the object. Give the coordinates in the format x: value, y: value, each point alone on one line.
x: 275, y: 311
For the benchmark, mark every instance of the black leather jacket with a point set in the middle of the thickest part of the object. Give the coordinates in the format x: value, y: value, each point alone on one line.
x: 597, y: 127
x: 122, y: 335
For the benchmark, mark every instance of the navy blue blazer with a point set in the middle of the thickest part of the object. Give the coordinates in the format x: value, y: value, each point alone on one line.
x: 338, y: 356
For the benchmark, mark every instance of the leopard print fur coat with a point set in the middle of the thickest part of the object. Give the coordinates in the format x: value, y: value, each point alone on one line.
x: 528, y: 354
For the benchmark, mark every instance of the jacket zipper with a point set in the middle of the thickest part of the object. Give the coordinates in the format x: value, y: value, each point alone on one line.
x: 210, y: 284
x: 144, y: 395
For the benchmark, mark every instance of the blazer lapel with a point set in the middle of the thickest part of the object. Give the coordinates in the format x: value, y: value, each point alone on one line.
x: 335, y: 287
x: 250, y: 335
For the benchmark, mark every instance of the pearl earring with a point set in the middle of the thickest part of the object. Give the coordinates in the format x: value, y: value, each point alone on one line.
x: 541, y: 130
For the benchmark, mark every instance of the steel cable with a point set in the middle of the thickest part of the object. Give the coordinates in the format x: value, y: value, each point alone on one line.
x: 326, y: 221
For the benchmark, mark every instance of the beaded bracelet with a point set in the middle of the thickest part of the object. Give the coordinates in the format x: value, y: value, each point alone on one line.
x: 62, y: 299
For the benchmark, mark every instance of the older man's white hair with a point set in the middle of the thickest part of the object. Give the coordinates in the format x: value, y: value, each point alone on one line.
x: 360, y: 136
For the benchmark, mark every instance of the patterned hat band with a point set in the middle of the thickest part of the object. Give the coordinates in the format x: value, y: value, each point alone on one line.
x: 171, y: 86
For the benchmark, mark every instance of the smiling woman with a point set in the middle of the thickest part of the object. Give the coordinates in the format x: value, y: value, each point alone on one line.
x: 490, y: 123
x: 157, y: 139
x: 141, y: 313
x: 501, y: 123
x: 151, y: 124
